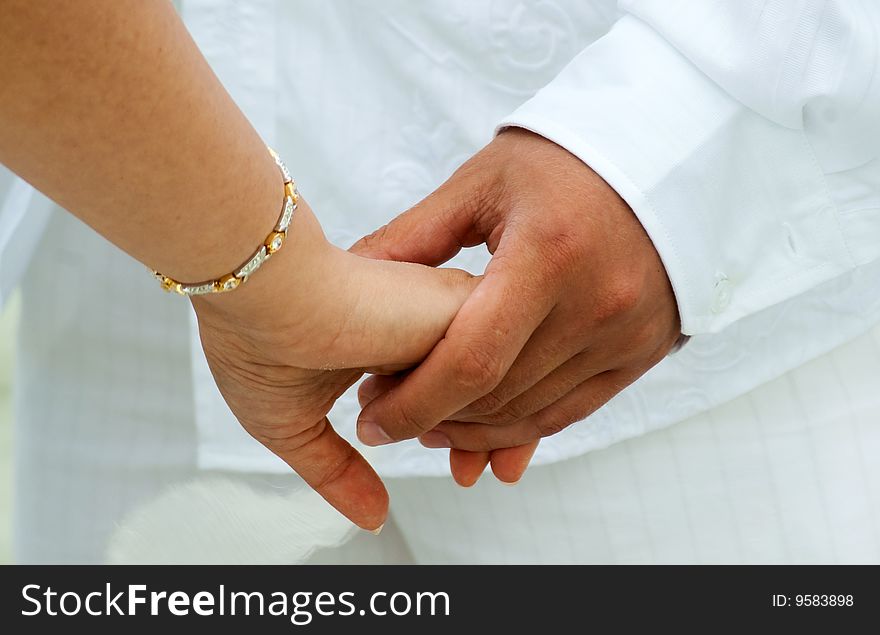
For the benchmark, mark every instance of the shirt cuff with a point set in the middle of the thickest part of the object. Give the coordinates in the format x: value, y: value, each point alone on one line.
x: 734, y: 203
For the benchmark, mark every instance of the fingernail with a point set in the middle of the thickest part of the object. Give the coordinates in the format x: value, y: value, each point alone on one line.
x: 508, y: 483
x: 435, y: 439
x: 377, y: 530
x: 371, y: 434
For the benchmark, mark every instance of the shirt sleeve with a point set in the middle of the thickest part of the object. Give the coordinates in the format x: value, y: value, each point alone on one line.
x: 745, y: 136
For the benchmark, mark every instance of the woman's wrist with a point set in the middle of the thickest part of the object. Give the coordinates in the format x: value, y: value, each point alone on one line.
x: 305, y: 283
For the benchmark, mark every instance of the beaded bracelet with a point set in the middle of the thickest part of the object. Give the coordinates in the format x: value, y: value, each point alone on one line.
x: 274, y: 241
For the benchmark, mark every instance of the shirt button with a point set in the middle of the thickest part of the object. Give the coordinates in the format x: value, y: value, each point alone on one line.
x: 721, y: 299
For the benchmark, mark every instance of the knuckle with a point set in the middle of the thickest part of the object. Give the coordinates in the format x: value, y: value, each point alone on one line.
x: 334, y: 471
x: 488, y: 404
x: 553, y: 424
x: 556, y: 418
x: 283, y: 441
x: 407, y: 425
x: 621, y: 295
x: 479, y: 369
x: 507, y: 414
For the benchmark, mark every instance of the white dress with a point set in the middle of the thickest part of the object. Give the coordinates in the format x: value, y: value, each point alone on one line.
x: 768, y: 228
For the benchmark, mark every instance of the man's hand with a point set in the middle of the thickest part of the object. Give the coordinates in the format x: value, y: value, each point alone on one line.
x: 574, y: 306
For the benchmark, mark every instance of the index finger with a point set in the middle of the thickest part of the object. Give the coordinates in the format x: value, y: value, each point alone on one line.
x: 481, y: 344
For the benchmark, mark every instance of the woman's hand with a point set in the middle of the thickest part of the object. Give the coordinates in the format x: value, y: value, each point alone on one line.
x: 287, y: 344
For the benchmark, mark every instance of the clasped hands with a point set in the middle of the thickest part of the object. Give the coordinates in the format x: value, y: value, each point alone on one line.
x: 574, y: 306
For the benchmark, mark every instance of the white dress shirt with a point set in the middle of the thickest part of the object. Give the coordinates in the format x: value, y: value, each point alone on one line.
x: 744, y: 134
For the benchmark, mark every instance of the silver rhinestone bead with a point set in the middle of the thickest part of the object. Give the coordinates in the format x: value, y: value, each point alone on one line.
x: 197, y: 289
x: 284, y: 172
x: 286, y: 214
x: 253, y: 264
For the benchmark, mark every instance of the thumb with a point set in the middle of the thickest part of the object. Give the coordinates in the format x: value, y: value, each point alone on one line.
x: 337, y: 472
x: 430, y: 233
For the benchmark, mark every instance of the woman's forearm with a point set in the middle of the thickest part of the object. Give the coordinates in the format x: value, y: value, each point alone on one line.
x: 109, y: 108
